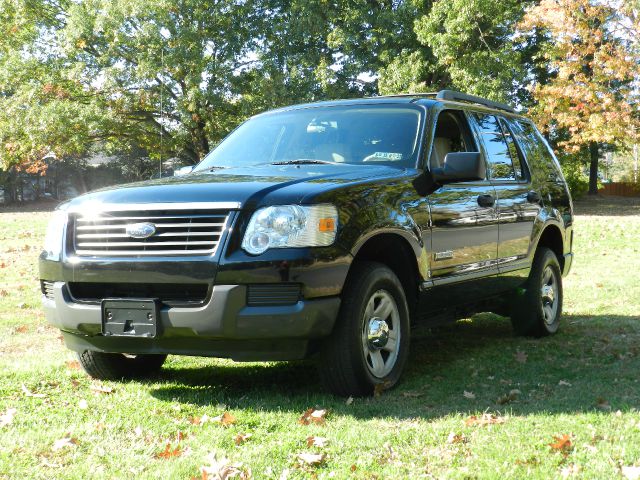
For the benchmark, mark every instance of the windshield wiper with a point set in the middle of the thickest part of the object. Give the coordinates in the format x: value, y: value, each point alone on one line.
x: 302, y: 161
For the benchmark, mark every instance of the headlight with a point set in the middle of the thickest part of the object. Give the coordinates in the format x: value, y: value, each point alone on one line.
x: 55, y: 232
x: 291, y: 226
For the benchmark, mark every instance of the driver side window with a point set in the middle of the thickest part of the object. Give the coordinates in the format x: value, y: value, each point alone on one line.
x: 452, y: 135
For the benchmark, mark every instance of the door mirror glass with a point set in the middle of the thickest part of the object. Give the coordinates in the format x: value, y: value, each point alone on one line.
x: 460, y: 167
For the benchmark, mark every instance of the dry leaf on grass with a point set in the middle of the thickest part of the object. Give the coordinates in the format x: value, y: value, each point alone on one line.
x: 380, y: 387
x: 311, y: 459
x: 101, y: 389
x: 223, y: 469
x: 561, y: 443
x: 66, y: 442
x: 199, y: 420
x: 349, y: 401
x: 484, y: 419
x: 564, y: 383
x: 72, y: 364
x: 7, y: 417
x: 312, y: 415
x: 508, y: 397
x: 603, y: 404
x: 313, y: 441
x: 225, y: 419
x: 169, y: 451
x: 520, y: 356
x: 469, y: 395
x: 412, y: 394
x: 240, y: 438
x: 82, y: 404
x: 456, y: 438
x: 29, y: 393
x: 22, y: 329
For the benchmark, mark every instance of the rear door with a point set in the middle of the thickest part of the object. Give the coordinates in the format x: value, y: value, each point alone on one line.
x: 518, y: 204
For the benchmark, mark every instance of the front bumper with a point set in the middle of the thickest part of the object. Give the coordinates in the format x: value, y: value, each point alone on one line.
x: 224, y: 327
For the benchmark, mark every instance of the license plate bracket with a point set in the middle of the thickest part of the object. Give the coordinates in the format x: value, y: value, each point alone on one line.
x: 130, y: 317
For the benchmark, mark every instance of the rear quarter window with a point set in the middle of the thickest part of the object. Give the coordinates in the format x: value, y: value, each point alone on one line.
x: 543, y: 166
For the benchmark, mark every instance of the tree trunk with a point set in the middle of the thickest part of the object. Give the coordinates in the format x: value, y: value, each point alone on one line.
x: 593, y: 169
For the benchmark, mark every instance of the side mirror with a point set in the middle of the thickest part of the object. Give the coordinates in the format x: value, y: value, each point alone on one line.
x: 461, y: 167
x: 183, y: 170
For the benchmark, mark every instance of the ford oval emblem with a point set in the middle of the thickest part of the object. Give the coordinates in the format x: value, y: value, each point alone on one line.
x: 140, y: 230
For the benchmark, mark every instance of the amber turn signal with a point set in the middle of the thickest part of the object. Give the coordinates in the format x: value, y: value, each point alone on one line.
x: 327, y: 225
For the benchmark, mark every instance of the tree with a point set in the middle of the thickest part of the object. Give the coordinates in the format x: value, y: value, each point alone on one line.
x: 473, y: 42
x: 593, y: 56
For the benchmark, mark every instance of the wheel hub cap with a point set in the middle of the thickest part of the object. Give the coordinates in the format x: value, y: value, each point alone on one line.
x: 377, y: 333
x: 548, y: 296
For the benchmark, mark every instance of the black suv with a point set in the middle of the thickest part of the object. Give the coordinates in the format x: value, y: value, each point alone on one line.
x: 328, y: 229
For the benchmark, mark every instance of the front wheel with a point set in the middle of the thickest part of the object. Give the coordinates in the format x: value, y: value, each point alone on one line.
x: 537, y: 311
x: 117, y: 366
x: 370, y: 342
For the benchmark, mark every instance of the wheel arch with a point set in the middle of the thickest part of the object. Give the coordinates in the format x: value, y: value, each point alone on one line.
x: 395, y: 251
x: 551, y: 237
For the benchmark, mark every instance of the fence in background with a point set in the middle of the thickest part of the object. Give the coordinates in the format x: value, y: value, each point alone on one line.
x: 620, y: 189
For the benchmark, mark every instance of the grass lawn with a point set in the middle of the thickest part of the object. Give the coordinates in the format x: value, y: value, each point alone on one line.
x: 578, y: 390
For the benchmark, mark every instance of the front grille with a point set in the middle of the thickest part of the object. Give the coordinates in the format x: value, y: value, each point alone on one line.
x: 169, y: 293
x: 261, y: 295
x: 192, y: 231
x: 47, y: 289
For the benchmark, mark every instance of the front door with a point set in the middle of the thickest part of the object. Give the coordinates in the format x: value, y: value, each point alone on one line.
x: 464, y: 234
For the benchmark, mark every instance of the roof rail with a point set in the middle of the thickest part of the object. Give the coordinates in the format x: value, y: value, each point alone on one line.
x: 463, y: 97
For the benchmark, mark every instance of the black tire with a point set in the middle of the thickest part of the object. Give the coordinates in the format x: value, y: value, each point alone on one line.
x: 536, y: 311
x: 117, y: 366
x: 347, y: 359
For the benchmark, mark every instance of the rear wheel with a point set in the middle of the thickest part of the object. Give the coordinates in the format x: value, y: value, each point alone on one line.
x: 537, y: 311
x: 116, y: 366
x: 370, y: 342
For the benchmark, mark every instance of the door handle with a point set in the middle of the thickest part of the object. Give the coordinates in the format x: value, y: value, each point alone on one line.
x: 486, y: 201
x: 533, y: 197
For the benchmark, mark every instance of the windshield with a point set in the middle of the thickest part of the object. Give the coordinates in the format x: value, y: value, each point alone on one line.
x: 380, y: 134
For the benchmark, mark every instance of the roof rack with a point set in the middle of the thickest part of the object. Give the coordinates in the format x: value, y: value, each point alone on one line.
x: 463, y: 97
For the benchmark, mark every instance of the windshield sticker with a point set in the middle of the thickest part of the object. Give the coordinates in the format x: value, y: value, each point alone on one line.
x: 388, y: 155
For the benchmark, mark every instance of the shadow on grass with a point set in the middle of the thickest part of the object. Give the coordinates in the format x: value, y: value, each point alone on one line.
x: 593, y: 362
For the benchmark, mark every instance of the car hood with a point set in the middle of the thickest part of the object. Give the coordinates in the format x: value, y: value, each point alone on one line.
x: 244, y: 186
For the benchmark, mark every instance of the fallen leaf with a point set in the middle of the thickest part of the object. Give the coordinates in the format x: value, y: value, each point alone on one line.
x: 631, y: 473
x: 7, y: 417
x: 82, y: 404
x: 349, y: 401
x: 412, y: 394
x: 66, y: 442
x: 521, y: 357
x: 311, y: 459
x: 240, y: 438
x: 562, y: 443
x: 137, y: 431
x: 22, y: 329
x: 28, y: 393
x: 603, y: 404
x: 353, y: 468
x: 313, y: 416
x: 564, y: 383
x: 484, y: 419
x: 469, y: 395
x: 570, y: 470
x: 313, y: 441
x: 456, y: 438
x: 223, y: 469
x: 225, y: 419
x: 509, y: 397
x: 72, y: 364
x: 169, y: 451
x: 200, y: 420
x: 4, y: 293
x: 101, y: 389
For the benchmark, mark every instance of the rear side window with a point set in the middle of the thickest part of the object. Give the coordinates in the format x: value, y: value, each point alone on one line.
x: 516, y: 156
x: 496, y: 147
x: 542, y: 164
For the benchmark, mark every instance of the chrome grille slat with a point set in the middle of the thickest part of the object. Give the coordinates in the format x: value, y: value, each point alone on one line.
x: 187, y: 232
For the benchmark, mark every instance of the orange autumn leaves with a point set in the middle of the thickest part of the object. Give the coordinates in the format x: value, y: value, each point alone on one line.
x: 593, y: 62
